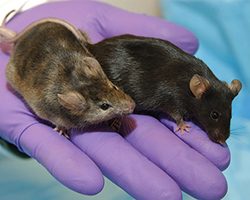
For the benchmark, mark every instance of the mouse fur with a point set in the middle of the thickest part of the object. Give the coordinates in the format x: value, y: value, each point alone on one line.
x: 60, y: 80
x: 159, y: 76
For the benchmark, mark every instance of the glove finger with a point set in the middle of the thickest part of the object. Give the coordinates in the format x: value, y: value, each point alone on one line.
x: 115, y: 21
x: 194, y: 174
x: 82, y: 14
x: 101, y: 20
x: 125, y: 166
x: 14, y: 117
x: 197, y: 139
x: 64, y: 161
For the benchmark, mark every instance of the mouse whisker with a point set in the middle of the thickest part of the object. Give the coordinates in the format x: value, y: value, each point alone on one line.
x: 238, y: 130
x: 233, y: 139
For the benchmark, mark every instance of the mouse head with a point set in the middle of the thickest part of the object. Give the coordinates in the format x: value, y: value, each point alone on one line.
x: 212, y: 105
x: 94, y: 98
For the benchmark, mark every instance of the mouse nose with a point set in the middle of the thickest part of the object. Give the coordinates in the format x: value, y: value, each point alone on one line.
x: 222, y: 142
x: 218, y: 136
x: 128, y: 108
x: 221, y: 139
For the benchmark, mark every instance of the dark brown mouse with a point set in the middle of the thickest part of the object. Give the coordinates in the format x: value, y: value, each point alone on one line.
x: 159, y: 76
x: 59, y: 79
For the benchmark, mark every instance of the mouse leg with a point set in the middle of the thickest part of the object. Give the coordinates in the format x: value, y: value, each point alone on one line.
x: 62, y: 131
x: 181, y: 125
x: 114, y: 124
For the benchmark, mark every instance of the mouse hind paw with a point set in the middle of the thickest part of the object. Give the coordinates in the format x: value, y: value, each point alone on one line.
x: 62, y: 131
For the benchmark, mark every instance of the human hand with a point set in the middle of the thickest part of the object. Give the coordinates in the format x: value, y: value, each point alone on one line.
x: 150, y: 162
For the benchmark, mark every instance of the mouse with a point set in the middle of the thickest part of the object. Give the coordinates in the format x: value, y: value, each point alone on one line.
x: 160, y: 76
x: 59, y: 78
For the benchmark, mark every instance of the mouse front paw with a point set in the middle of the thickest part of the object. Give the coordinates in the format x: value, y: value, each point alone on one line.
x: 183, y: 127
x: 114, y: 123
x: 62, y: 131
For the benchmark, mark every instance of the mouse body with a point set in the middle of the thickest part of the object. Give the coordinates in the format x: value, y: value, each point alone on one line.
x: 159, y: 76
x: 59, y: 79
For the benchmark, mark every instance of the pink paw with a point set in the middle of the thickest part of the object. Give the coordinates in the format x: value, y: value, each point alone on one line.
x: 182, y: 126
x: 62, y: 131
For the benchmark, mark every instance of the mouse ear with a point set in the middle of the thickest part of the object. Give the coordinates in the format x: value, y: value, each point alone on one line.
x: 93, y: 66
x: 198, y: 85
x: 235, y: 87
x: 72, y: 100
x: 85, y: 36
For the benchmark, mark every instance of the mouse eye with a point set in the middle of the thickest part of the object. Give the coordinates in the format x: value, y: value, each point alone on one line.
x: 105, y: 106
x: 214, y: 115
x: 115, y: 87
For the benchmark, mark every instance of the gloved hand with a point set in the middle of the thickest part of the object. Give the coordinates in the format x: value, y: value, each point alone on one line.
x: 150, y: 161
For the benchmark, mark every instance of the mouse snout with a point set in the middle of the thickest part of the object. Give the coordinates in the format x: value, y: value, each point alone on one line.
x: 221, y: 140
x: 128, y: 106
x: 218, y: 136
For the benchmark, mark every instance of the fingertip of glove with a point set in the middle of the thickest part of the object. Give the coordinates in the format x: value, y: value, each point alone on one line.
x: 88, y: 186
x: 215, y: 188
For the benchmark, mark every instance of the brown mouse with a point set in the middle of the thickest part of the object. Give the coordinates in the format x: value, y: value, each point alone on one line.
x: 59, y: 79
x: 159, y: 76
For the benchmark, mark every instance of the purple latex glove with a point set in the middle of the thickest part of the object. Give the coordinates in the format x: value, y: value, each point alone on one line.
x: 150, y: 162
